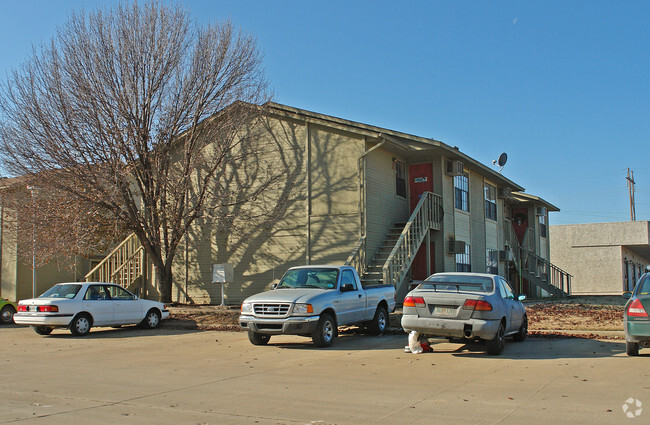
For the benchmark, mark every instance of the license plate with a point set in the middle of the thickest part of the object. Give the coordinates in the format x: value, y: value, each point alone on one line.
x: 444, y: 311
x: 32, y: 308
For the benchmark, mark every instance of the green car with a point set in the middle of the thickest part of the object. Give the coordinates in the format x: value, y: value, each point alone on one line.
x: 7, y: 310
x: 637, y: 321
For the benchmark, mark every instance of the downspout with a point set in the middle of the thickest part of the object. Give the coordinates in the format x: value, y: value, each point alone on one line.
x: 308, y: 206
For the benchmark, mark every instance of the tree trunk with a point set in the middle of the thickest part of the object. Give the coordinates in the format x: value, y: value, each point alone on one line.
x: 164, y: 278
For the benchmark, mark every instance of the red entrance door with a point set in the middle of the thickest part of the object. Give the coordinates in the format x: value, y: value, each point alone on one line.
x: 420, y: 181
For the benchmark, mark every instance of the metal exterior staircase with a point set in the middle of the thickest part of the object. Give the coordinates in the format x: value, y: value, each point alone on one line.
x: 535, y: 269
x: 394, y: 257
x: 542, y: 273
x: 125, y: 265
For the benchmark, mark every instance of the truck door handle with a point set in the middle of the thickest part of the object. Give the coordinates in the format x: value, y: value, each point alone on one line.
x: 359, y: 295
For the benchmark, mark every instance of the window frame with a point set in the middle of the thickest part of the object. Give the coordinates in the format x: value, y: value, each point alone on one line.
x: 464, y: 260
x: 492, y: 261
x: 543, y: 227
x: 400, y: 179
x: 461, y: 192
x: 490, y: 200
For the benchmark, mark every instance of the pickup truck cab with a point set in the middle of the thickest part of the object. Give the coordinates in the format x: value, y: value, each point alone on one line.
x: 314, y: 301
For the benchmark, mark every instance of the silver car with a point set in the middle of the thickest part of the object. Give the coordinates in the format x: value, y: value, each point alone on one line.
x: 471, y: 306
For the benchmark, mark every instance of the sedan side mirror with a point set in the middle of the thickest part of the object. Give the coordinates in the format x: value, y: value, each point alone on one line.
x: 275, y: 285
x: 627, y: 294
x: 521, y: 297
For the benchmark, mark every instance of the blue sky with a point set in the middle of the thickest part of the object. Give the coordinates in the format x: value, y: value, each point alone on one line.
x: 562, y: 87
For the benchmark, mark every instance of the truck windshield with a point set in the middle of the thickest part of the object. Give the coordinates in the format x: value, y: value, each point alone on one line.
x: 459, y: 283
x: 309, y: 278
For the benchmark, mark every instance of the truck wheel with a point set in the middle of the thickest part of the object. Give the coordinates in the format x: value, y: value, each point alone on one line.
x: 523, y: 330
x: 325, y: 331
x: 379, y: 323
x: 258, y: 339
x: 632, y: 348
x: 496, y: 344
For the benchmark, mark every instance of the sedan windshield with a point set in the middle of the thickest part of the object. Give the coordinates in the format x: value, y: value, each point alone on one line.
x: 309, y: 278
x: 62, y: 291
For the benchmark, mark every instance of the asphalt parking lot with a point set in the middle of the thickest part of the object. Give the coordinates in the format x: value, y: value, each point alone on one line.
x: 170, y: 376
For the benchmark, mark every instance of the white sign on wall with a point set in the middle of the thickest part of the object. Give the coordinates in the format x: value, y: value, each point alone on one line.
x: 222, y: 273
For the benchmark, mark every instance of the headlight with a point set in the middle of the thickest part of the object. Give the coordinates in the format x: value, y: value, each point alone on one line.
x: 247, y: 308
x: 303, y: 309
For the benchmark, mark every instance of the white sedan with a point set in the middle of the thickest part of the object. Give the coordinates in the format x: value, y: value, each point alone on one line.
x: 80, y: 306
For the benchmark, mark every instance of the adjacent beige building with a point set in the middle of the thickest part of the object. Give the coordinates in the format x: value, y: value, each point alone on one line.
x: 398, y: 207
x: 604, y: 258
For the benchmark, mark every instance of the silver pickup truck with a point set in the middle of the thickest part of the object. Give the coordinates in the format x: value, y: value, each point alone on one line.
x: 314, y: 301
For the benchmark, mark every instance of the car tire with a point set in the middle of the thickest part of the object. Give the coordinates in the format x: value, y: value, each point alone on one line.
x: 151, y: 320
x: 523, y: 330
x: 495, y: 345
x: 43, y: 330
x: 325, y: 332
x: 81, y: 324
x: 258, y: 338
x: 632, y: 348
x: 379, y: 323
x: 7, y: 315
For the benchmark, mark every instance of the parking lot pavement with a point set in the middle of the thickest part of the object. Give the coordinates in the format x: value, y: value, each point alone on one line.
x: 133, y: 376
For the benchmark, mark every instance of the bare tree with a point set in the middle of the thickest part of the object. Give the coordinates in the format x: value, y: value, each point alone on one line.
x: 123, y: 107
x: 62, y: 225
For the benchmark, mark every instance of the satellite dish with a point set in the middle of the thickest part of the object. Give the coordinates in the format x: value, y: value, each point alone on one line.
x: 501, y: 161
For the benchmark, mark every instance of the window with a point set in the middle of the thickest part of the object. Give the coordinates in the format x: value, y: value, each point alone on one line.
x: 506, y: 290
x: 542, y: 225
x: 348, y: 277
x: 400, y: 179
x: 118, y: 293
x: 463, y: 263
x: 461, y: 192
x: 492, y: 261
x: 490, y: 201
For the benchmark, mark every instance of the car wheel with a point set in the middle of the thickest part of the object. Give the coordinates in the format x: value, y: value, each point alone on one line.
x: 42, y: 330
x: 325, y: 331
x: 7, y: 315
x: 523, y: 331
x: 80, y: 325
x: 495, y: 345
x: 632, y: 348
x: 258, y: 339
x: 379, y: 322
x: 152, y: 319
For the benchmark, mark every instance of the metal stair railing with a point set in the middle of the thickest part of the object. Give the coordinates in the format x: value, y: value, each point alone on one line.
x: 427, y: 215
x: 357, y: 258
x: 545, y: 271
x: 123, y: 265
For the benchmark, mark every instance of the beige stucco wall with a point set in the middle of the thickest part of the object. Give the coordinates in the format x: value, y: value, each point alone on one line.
x: 593, y: 253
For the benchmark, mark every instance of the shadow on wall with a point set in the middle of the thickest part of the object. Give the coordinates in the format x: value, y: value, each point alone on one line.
x: 256, y: 216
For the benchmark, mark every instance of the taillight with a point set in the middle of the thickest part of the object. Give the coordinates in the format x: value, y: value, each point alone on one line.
x: 22, y: 307
x: 414, y: 302
x: 477, y: 305
x: 635, y: 309
x: 48, y: 308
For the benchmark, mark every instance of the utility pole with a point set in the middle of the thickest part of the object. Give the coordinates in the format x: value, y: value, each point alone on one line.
x: 630, y: 186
